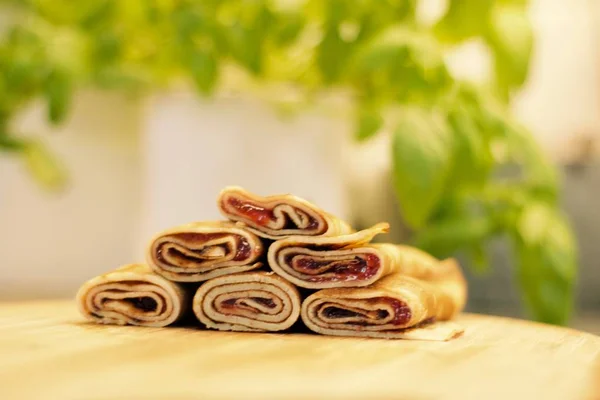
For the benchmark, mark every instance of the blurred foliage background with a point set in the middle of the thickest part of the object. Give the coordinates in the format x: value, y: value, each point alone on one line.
x: 464, y: 171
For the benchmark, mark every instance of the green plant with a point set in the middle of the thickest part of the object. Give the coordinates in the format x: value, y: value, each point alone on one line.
x: 464, y: 171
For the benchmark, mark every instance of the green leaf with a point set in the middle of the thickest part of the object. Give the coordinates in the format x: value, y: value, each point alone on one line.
x: 336, y: 11
x: 58, y: 90
x: 246, y: 48
x: 44, y: 167
x: 385, y: 50
x: 511, y: 38
x: 547, y: 262
x: 331, y: 54
x: 520, y: 3
x: 107, y: 47
x: 421, y: 157
x: 288, y: 28
x: 97, y: 14
x: 472, y: 156
x: 126, y: 77
x: 248, y: 34
x: 539, y: 173
x: 10, y: 143
x: 480, y: 260
x: 64, y: 12
x: 489, y: 113
x: 463, y: 20
x: 400, y: 65
x: 369, y: 123
x: 186, y: 20
x: 443, y: 238
x: 392, y: 46
x: 204, y: 69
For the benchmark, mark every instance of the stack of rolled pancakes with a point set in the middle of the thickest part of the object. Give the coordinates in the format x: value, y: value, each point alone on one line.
x: 243, y: 274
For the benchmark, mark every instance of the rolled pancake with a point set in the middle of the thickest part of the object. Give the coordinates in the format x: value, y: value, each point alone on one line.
x: 278, y: 216
x: 132, y: 295
x: 250, y: 301
x: 347, y: 260
x: 395, y: 307
x: 200, y: 251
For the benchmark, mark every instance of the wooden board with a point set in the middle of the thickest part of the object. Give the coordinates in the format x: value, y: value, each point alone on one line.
x: 48, y: 352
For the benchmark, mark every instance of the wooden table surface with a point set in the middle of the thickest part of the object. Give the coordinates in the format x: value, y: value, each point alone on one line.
x: 48, y: 352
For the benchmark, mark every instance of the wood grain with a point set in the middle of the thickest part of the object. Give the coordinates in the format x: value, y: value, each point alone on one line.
x: 49, y: 352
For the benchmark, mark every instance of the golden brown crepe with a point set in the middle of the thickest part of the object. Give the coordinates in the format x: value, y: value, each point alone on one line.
x: 250, y: 301
x: 132, y: 295
x: 278, y: 216
x: 203, y: 250
x: 395, y: 307
x: 345, y: 261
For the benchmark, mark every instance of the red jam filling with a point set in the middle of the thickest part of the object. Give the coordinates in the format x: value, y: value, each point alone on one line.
x: 229, y: 303
x: 361, y: 267
x: 336, y: 312
x: 243, y: 248
x: 265, y: 302
x: 401, y: 312
x: 261, y: 216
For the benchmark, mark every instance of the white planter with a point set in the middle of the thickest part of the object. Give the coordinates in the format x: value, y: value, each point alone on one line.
x: 51, y: 243
x: 192, y: 148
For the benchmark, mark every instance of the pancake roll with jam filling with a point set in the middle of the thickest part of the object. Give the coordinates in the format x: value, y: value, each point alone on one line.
x: 346, y: 261
x: 396, y: 307
x: 278, y: 216
x: 200, y: 251
x: 132, y: 295
x: 249, y: 301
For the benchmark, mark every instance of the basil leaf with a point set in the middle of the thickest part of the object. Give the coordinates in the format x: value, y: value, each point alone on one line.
x: 463, y: 20
x: 369, y: 123
x: 472, y: 156
x: 44, y: 166
x: 421, y: 157
x: 547, y: 257
x: 58, y: 89
x: 204, y: 70
x: 511, y: 38
x: 444, y: 238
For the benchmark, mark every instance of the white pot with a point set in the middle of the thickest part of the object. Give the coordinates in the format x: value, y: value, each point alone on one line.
x: 52, y: 243
x: 192, y: 148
